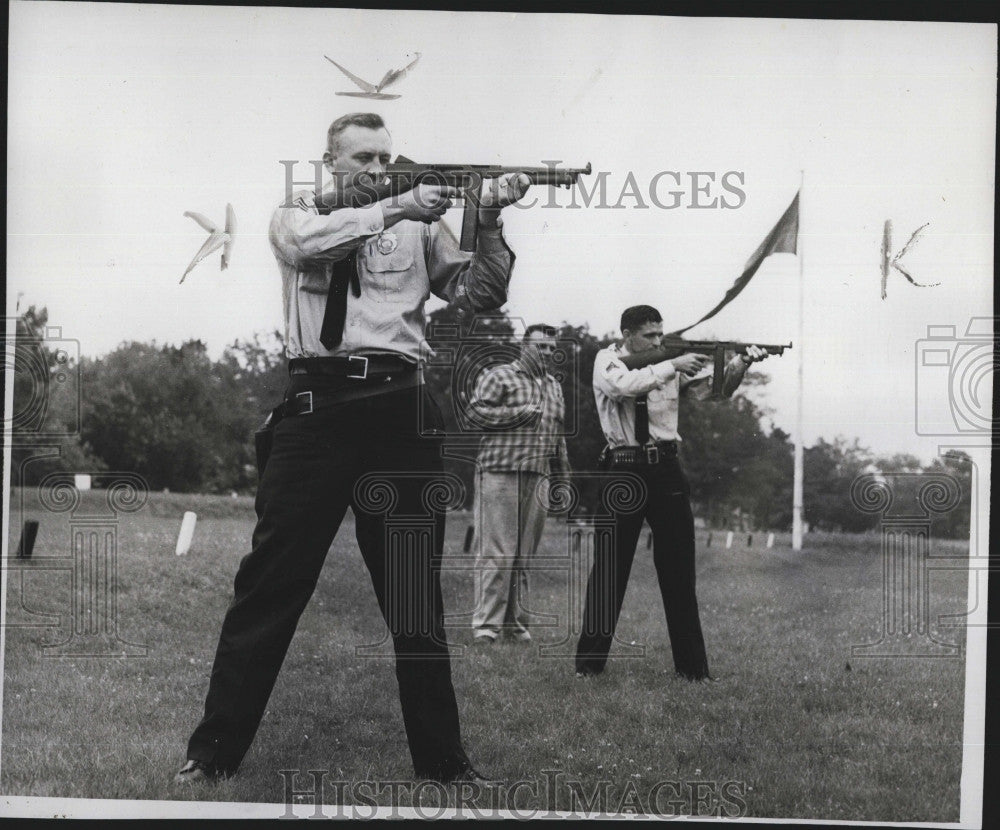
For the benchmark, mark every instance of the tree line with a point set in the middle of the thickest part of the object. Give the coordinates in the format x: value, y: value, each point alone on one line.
x: 185, y: 422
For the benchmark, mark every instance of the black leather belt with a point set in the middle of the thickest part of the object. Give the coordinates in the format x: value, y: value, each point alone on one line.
x: 307, y: 402
x: 353, y: 367
x: 633, y: 455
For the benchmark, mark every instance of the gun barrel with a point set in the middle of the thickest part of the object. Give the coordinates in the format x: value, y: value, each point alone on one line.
x: 462, y: 175
x: 729, y: 345
x: 554, y: 176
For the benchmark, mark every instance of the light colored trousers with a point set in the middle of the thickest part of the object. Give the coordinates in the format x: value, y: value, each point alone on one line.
x: 510, y: 518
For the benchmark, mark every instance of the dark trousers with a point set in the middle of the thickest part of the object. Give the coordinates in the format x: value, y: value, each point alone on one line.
x: 371, y: 455
x: 667, y: 507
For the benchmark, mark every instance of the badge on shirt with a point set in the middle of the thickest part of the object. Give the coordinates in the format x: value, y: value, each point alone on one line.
x: 387, y: 243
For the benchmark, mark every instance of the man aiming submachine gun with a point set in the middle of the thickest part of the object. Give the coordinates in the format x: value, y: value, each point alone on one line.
x: 673, y: 346
x: 363, y: 188
x: 639, y: 385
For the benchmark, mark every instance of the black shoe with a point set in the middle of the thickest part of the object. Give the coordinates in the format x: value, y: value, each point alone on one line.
x: 198, y: 772
x: 587, y: 673
x: 471, y: 775
x: 699, y: 678
x: 456, y: 773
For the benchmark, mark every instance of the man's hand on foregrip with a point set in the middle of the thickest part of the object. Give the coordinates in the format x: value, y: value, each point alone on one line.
x: 755, y: 353
x: 503, y: 190
x: 497, y: 193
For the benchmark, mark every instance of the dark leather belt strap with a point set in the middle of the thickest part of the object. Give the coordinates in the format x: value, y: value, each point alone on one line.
x: 353, y: 367
x: 311, y: 400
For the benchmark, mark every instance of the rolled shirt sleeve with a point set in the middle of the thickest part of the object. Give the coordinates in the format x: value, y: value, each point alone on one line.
x: 617, y: 381
x: 299, y: 234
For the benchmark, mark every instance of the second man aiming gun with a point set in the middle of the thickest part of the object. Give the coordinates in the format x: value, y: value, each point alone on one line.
x: 638, y: 408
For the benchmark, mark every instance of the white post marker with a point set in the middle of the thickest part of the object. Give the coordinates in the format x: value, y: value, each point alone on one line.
x: 81, y: 481
x: 770, y: 540
x: 729, y: 540
x: 187, y: 533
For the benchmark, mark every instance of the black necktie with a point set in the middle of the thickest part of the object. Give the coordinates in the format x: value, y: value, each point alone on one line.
x: 641, y: 420
x: 344, y: 272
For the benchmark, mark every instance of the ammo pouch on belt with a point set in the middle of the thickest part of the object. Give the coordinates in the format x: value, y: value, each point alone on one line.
x: 636, y: 456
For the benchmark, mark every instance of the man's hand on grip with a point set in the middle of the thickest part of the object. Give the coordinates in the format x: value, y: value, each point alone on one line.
x: 426, y: 202
x: 690, y: 363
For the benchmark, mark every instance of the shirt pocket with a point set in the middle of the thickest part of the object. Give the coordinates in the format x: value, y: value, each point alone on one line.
x: 387, y: 272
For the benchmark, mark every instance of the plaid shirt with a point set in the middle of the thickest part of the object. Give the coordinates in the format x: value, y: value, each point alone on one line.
x: 519, y: 438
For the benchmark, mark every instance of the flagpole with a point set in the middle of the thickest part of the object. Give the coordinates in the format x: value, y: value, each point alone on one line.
x: 797, y: 479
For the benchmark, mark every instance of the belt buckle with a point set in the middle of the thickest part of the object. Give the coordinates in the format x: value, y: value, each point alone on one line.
x: 308, y: 395
x: 652, y: 454
x: 364, y: 370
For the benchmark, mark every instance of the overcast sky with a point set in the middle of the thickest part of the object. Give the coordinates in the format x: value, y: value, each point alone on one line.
x: 120, y: 118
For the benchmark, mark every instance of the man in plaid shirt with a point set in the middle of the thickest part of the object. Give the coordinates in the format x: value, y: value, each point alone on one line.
x: 521, y: 406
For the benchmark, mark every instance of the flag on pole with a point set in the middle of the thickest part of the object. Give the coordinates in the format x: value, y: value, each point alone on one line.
x: 782, y: 239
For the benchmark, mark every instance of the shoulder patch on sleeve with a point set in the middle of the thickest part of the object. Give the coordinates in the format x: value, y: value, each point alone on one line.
x: 303, y: 200
x: 609, y: 365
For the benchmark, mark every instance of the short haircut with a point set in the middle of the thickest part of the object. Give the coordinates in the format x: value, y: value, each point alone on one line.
x: 368, y: 120
x: 549, y: 331
x: 637, y: 316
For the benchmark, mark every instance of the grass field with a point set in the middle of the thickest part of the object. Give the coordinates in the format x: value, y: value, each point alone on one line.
x: 797, y: 726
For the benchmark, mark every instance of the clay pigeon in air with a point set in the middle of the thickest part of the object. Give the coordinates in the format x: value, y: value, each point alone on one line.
x: 375, y: 90
x: 216, y: 238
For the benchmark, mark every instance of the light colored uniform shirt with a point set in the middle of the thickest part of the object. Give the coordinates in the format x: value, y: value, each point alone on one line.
x: 616, y: 387
x: 399, y: 268
x: 503, y: 400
